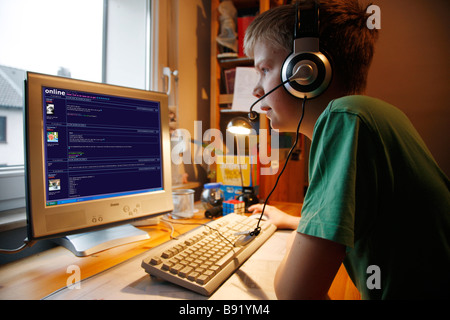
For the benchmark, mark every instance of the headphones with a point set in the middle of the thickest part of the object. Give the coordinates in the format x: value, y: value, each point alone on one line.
x: 309, y: 69
x: 306, y: 72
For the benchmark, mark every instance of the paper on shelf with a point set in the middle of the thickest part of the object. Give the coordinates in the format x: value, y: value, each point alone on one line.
x: 244, y: 83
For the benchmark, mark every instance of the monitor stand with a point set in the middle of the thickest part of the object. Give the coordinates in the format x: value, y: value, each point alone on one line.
x: 85, y: 244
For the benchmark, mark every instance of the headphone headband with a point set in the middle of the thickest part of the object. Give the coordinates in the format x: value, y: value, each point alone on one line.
x: 307, y: 21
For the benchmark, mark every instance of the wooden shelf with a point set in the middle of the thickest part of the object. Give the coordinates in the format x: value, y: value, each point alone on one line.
x: 225, y: 98
x: 229, y: 63
x: 218, y: 65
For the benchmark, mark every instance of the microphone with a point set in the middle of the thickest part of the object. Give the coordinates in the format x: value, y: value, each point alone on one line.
x: 253, y: 115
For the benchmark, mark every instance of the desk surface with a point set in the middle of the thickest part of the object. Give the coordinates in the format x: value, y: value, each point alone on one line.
x: 116, y: 273
x: 128, y: 281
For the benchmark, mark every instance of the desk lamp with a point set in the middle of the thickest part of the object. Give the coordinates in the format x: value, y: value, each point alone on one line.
x: 241, y: 126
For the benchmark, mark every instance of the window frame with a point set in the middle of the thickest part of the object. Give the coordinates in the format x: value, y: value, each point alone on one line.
x: 3, y: 129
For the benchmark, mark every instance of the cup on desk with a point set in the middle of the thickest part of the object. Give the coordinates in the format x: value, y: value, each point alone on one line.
x: 183, y: 204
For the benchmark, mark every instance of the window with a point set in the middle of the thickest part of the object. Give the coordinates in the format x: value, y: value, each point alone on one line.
x: 2, y: 130
x: 47, y: 36
x: 83, y: 39
x: 53, y: 36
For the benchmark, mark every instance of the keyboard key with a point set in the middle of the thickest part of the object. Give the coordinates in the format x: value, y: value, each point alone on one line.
x: 225, y: 259
x: 214, y: 268
x: 208, y: 273
x: 193, y: 276
x: 167, y: 265
x: 185, y: 271
x: 200, y: 270
x: 202, y: 279
x: 167, y: 254
x: 179, y: 248
x: 176, y: 268
x: 155, y: 261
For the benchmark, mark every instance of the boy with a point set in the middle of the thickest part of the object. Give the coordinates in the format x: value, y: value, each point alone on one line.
x: 377, y: 201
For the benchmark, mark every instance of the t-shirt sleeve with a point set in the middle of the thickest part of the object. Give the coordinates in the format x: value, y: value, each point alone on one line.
x: 329, y: 207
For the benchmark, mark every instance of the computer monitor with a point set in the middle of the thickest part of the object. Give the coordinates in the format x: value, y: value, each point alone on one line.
x: 97, y: 159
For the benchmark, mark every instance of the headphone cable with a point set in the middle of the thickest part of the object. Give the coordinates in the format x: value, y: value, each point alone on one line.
x: 258, y: 228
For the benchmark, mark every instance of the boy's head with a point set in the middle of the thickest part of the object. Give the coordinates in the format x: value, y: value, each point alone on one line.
x: 344, y: 38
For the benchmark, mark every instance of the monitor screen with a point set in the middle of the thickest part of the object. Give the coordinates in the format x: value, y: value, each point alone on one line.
x: 97, y: 155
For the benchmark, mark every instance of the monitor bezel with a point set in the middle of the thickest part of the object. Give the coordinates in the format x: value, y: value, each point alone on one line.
x: 36, y: 183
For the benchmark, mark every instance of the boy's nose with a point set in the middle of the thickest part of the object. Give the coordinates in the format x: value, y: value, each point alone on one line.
x: 258, y: 91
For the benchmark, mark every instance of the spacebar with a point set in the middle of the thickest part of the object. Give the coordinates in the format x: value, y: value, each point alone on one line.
x: 225, y: 260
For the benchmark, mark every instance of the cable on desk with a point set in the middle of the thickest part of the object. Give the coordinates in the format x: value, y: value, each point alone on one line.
x: 25, y: 245
x: 172, y: 229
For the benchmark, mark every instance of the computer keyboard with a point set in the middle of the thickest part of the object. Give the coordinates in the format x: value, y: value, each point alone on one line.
x: 202, y: 259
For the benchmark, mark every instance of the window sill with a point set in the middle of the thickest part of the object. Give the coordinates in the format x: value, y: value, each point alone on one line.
x: 13, y: 219
x: 189, y: 185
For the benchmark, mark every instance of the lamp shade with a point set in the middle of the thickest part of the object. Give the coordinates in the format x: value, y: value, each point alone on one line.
x: 240, y: 126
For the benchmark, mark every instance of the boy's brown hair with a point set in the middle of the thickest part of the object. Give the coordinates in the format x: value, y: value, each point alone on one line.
x: 344, y: 38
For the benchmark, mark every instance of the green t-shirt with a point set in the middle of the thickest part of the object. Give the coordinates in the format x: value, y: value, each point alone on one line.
x: 375, y: 187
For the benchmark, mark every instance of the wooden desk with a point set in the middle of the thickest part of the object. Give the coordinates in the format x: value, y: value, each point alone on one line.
x: 38, y: 276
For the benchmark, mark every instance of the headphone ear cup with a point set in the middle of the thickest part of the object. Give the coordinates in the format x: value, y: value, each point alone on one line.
x: 310, y: 74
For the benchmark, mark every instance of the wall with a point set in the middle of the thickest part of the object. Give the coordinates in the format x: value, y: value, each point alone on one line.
x: 189, y: 53
x: 411, y: 68
x: 192, y: 62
